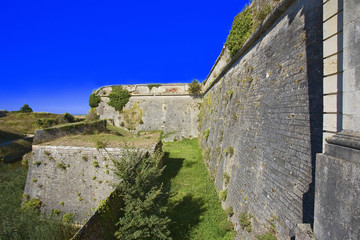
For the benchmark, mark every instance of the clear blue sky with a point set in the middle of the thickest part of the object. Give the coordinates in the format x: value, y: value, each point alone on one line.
x: 54, y: 53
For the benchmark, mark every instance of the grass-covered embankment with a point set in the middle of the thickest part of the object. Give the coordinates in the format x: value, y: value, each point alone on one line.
x: 193, y: 206
x: 17, y: 223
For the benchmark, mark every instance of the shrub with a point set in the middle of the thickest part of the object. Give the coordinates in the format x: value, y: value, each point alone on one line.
x: 223, y: 195
x: 95, y: 163
x: 118, y: 97
x: 37, y: 163
x: 144, y: 216
x: 245, y: 221
x: 241, y: 30
x: 66, y: 118
x: 99, y: 144
x: 25, y: 109
x: 68, y: 217
x: 92, y: 115
x: 94, y: 100
x: 133, y: 117
x: 32, y: 204
x: 194, y: 87
x: 150, y: 86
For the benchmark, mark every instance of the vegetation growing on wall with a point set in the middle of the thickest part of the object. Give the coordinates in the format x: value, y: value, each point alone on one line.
x: 118, y: 97
x: 132, y: 117
x: 94, y: 100
x: 26, y: 222
x: 245, y: 23
x: 241, y: 30
x: 150, y: 86
x: 194, y: 87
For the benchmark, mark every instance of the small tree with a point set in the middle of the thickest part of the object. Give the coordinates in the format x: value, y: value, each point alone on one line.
x: 94, y: 100
x: 92, y: 115
x: 194, y: 87
x: 66, y: 118
x: 118, y: 97
x: 144, y: 214
x: 26, y: 109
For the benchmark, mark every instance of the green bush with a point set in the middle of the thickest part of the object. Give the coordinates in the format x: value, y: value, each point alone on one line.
x: 150, y: 86
x: 194, y: 87
x: 241, y: 30
x: 118, y: 97
x: 66, y: 118
x: 143, y: 195
x: 94, y: 100
x: 25, y: 109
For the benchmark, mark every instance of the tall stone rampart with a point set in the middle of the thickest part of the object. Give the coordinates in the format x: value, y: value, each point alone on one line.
x: 167, y: 107
x: 72, y: 179
x: 261, y: 123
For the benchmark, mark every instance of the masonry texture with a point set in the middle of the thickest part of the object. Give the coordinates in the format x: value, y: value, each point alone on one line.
x: 72, y: 179
x: 257, y: 123
x: 168, y: 107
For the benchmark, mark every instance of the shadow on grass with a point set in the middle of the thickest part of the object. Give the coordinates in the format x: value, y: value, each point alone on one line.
x: 8, y: 136
x: 184, y: 213
x: 172, y: 167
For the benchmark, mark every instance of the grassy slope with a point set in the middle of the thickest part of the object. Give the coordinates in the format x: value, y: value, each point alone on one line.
x: 193, y: 206
x: 17, y: 224
x: 15, y: 124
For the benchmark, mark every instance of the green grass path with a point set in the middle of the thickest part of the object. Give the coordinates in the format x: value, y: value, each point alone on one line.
x: 193, y: 206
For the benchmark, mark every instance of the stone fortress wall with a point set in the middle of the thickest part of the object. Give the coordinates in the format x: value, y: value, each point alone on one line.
x: 262, y: 121
x: 265, y: 119
x: 167, y: 107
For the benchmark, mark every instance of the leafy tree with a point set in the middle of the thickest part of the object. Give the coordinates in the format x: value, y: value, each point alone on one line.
x: 94, y: 100
x: 142, y: 192
x: 119, y: 97
x: 194, y: 87
x: 26, y: 109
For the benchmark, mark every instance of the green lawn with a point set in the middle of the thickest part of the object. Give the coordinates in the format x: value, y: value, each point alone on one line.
x: 193, y: 206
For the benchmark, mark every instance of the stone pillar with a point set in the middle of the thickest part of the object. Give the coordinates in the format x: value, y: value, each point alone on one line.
x: 337, y: 178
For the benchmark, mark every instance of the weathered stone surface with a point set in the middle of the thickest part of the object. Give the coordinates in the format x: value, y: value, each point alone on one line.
x: 72, y: 179
x: 337, y: 205
x: 168, y: 108
x: 267, y: 107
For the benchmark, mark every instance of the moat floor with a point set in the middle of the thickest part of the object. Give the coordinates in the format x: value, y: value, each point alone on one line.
x: 194, y: 207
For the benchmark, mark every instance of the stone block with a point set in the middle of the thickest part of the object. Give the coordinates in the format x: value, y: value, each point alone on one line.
x: 331, y: 45
x: 330, y: 122
x: 330, y: 103
x: 331, y: 8
x: 331, y: 84
x: 331, y: 65
x: 331, y: 26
